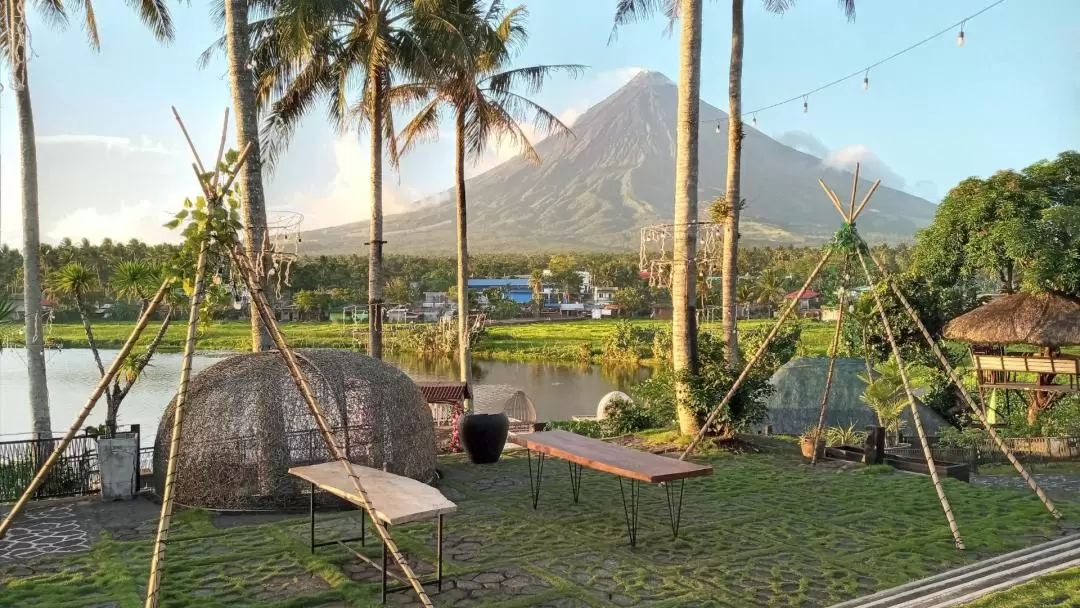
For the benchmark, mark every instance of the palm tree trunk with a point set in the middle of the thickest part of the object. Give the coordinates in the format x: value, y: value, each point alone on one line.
x: 686, y: 173
x: 35, y: 339
x: 110, y: 420
x: 375, y: 243
x: 734, y: 167
x: 464, y: 353
x: 247, y: 133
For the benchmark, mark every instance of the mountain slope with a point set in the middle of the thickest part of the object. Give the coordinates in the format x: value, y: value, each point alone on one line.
x: 594, y: 190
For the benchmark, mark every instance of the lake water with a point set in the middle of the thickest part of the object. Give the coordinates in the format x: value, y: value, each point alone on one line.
x: 557, y: 391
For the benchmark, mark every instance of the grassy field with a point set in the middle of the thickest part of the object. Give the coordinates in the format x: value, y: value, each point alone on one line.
x: 764, y: 530
x: 1061, y: 590
x: 560, y: 340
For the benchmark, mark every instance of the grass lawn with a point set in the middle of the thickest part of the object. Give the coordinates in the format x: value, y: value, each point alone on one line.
x: 764, y: 530
x: 1061, y: 589
x: 1068, y: 467
x: 535, y: 341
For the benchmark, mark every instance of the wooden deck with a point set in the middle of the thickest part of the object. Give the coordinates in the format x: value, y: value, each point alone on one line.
x: 610, y: 458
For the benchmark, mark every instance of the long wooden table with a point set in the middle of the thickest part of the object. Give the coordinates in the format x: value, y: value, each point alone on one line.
x: 395, y: 500
x: 634, y: 465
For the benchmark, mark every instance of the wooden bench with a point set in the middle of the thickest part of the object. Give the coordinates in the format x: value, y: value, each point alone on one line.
x: 395, y: 500
x: 634, y: 465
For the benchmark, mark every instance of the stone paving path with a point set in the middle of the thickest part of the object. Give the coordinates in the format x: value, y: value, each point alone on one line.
x: 46, y: 531
x: 1057, y: 487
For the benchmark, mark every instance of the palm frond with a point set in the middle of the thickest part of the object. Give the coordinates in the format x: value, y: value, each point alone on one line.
x: 532, y: 78
x: 155, y: 15
x: 636, y: 11
x: 422, y: 128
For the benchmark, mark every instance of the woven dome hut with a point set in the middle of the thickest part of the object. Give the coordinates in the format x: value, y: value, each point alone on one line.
x: 796, y: 403
x: 601, y: 408
x: 495, y: 398
x: 1039, y: 319
x: 245, y: 423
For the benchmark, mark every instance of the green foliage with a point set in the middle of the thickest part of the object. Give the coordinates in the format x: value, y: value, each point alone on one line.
x: 885, y: 395
x: 628, y: 342
x: 1019, y: 229
x: 623, y: 417
x: 662, y: 345
x: 74, y: 280
x: 585, y: 428
x: 505, y: 309
x: 7, y: 308
x: 632, y: 300
x: 839, y: 435
x: 134, y: 280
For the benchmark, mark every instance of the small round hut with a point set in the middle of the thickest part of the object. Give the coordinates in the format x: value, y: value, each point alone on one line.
x: 510, y: 400
x: 796, y: 403
x: 245, y: 423
x: 608, y: 399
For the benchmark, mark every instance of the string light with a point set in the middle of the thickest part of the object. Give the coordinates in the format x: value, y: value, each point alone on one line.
x: 805, y: 104
x: 717, y: 127
x: 753, y: 121
x: 865, y: 72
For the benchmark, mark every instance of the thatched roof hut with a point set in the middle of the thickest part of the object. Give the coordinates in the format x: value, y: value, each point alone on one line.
x: 796, y: 403
x: 1040, y: 319
x: 245, y: 424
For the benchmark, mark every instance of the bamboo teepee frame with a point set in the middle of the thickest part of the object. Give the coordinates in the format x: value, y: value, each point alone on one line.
x: 215, y: 189
x: 861, y: 252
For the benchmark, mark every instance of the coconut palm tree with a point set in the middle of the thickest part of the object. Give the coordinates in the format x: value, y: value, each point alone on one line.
x: 536, y: 284
x: 13, y: 37
x: 233, y: 16
x: 75, y: 281
x: 684, y: 328
x: 475, y: 82
x: 135, y: 281
x: 311, y: 50
x: 734, y: 167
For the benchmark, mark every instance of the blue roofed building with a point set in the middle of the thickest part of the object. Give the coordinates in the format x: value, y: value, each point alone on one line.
x: 516, y: 290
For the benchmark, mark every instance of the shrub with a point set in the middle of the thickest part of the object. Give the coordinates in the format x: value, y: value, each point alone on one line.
x: 838, y: 435
x: 661, y: 345
x: 624, y: 417
x: 627, y: 342
x: 587, y: 428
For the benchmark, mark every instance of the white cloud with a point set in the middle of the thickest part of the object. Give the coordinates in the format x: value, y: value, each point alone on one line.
x: 871, y: 167
x: 110, y: 142
x: 349, y: 197
x: 143, y: 220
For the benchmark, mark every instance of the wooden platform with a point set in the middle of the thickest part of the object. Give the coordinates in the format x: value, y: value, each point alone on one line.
x: 610, y: 458
x: 395, y: 499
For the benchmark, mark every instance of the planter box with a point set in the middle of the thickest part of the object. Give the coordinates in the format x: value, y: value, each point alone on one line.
x: 118, y: 464
x: 918, y: 465
x: 846, y: 452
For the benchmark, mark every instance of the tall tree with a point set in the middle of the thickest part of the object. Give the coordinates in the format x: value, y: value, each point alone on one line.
x: 475, y: 80
x: 246, y: 114
x: 683, y: 275
x: 13, y: 33
x: 729, y: 281
x: 311, y: 50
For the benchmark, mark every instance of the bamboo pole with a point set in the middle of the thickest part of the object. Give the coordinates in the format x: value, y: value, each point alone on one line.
x: 102, y: 385
x: 866, y: 199
x: 854, y: 189
x: 263, y: 307
x: 153, y: 585
x: 829, y: 373
x: 761, y: 351
x: 832, y: 198
x: 965, y: 395
x: 911, y: 402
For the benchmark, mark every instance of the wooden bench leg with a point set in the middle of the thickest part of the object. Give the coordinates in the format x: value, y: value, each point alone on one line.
x: 674, y: 505
x: 438, y: 555
x: 312, y: 506
x: 534, y: 486
x: 631, y: 509
x: 575, y: 479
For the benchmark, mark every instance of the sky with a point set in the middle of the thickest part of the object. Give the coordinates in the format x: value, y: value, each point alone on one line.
x: 113, y: 163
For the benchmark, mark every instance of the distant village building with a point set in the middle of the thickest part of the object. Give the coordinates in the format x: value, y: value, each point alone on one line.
x: 516, y: 290
x: 604, y: 295
x: 810, y: 300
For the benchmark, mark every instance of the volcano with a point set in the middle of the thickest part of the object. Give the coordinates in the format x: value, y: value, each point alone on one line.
x: 597, y: 188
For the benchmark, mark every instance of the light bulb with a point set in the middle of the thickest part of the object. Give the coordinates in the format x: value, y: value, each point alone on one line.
x: 717, y: 127
x: 960, y: 37
x: 805, y: 107
x: 753, y: 121
x: 866, y: 81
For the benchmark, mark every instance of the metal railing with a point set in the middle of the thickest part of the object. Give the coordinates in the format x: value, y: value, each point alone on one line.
x: 74, y: 474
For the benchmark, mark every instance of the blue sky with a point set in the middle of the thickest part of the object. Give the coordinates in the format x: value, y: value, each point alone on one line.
x: 112, y: 161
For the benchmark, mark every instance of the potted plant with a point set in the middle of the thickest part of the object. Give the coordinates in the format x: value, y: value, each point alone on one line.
x: 483, y: 436
x: 807, y: 441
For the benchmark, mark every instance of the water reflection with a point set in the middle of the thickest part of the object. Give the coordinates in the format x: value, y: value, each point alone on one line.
x: 558, y: 391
